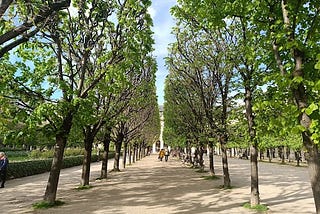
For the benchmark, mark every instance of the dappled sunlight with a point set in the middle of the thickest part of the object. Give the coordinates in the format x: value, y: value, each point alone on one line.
x: 151, y: 186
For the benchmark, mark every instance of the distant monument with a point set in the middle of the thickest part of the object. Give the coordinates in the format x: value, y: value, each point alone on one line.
x: 159, y: 144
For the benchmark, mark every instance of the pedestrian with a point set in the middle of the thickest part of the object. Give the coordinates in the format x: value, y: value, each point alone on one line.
x: 166, y: 155
x: 3, y: 168
x: 161, y: 154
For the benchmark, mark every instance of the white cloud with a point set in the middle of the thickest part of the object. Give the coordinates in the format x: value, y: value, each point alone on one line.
x: 152, y: 12
x: 163, y: 37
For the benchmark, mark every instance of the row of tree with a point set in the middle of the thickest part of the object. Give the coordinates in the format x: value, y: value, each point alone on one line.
x: 264, y: 52
x: 78, y: 73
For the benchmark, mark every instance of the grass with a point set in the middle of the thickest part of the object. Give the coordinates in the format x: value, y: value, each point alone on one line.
x: 210, y: 177
x: 223, y: 187
x: 46, y: 205
x: 259, y: 207
x: 84, y: 187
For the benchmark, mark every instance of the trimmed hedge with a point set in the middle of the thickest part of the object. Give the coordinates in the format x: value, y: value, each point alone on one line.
x: 11, y: 153
x: 33, y: 167
x: 37, y: 154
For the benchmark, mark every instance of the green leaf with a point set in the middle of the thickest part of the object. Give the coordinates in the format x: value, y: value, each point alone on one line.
x: 297, y: 79
x: 317, y: 85
x: 315, y: 136
x: 317, y: 65
x: 311, y: 108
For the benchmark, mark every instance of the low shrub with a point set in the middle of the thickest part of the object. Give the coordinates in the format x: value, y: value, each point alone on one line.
x: 33, y: 167
x: 17, y: 153
x: 7, y: 149
x: 27, y: 168
x: 37, y: 154
x: 74, y: 152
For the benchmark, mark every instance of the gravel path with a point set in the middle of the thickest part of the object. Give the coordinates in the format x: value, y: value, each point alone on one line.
x: 150, y: 186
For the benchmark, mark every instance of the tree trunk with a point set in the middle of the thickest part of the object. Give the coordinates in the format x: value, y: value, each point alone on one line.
x: 88, y: 142
x: 189, y: 155
x: 313, y: 157
x: 270, y: 155
x: 201, y: 162
x: 143, y: 150
x: 211, y: 161
x: 282, y: 155
x: 255, y: 198
x: 298, y: 157
x: 53, y: 180
x: 134, y: 154
x: 304, y: 119
x: 226, y: 176
x: 138, y: 152
x: 125, y: 149
x: 61, y: 141
x: 130, y: 154
x: 106, y: 144
x: 118, y: 144
x: 314, y: 172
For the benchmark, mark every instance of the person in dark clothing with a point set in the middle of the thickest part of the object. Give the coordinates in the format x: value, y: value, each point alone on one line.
x: 166, y: 155
x: 3, y: 168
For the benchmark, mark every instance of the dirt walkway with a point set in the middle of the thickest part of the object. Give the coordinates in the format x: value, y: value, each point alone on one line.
x: 150, y: 186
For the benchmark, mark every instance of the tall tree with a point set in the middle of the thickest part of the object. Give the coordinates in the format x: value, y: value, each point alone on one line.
x: 244, y: 53
x: 293, y: 29
x: 61, y: 75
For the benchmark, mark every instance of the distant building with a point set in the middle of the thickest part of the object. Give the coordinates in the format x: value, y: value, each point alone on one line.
x: 159, y: 144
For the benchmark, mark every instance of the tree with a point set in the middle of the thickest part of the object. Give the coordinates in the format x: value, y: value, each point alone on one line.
x: 31, y: 16
x: 67, y: 62
x: 293, y: 30
x: 140, y: 103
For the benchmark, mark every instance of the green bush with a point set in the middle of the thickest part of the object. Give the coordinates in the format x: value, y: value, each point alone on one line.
x: 7, y: 149
x: 32, y: 167
x: 73, y: 152
x: 37, y: 154
x: 16, y: 153
x: 27, y: 168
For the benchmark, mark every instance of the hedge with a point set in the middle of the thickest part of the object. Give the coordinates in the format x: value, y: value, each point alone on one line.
x: 33, y: 167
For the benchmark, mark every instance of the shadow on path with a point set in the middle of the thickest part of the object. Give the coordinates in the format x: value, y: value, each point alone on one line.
x: 151, y: 186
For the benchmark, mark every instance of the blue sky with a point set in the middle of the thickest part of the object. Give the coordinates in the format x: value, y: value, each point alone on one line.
x: 163, y: 23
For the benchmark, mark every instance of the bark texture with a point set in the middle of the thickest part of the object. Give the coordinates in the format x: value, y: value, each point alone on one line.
x: 61, y: 141
x: 104, y: 165
x: 87, y: 158
x: 226, y: 175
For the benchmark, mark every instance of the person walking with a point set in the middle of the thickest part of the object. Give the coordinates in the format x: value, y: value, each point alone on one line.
x: 161, y: 154
x: 166, y: 155
x: 3, y: 168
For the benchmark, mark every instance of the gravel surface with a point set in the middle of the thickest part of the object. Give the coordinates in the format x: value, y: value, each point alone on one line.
x: 150, y: 186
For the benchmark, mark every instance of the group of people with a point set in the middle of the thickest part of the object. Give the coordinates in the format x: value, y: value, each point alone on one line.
x: 3, y: 168
x: 164, y: 153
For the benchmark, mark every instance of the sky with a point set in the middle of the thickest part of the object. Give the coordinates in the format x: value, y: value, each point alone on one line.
x: 162, y: 27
